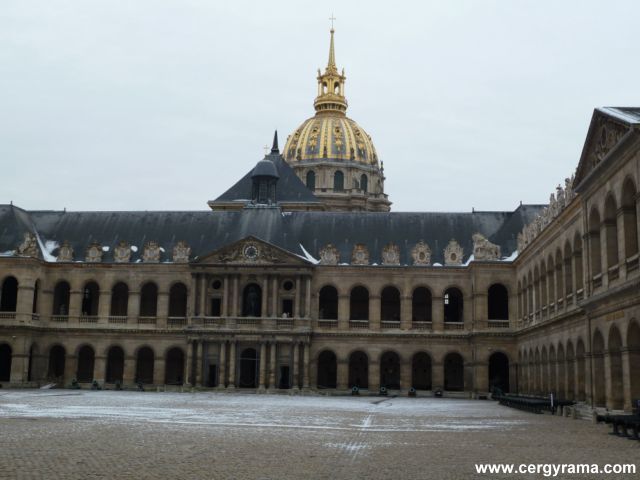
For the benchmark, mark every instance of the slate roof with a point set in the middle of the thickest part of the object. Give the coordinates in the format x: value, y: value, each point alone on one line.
x: 206, y: 231
x: 289, y: 189
x: 629, y: 115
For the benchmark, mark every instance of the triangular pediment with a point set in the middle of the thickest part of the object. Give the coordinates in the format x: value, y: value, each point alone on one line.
x: 252, y: 251
x: 606, y: 132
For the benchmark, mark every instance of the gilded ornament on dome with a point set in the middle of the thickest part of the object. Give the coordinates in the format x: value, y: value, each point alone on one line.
x: 122, y: 252
x: 360, y: 255
x: 151, y: 252
x: 93, y: 253
x: 453, y: 253
x: 181, y: 252
x: 421, y: 254
x: 391, y: 254
x: 65, y: 253
x: 329, y: 255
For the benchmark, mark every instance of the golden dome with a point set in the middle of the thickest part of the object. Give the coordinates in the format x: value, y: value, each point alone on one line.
x: 329, y: 136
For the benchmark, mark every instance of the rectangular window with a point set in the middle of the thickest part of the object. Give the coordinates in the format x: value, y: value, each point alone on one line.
x: 216, y: 307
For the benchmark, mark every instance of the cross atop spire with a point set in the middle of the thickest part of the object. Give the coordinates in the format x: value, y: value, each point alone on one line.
x: 332, y: 18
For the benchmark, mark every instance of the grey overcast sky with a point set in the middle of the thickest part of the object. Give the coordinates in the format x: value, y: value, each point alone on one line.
x: 162, y: 105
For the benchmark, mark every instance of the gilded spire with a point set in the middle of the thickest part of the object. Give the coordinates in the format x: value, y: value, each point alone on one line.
x: 331, y: 97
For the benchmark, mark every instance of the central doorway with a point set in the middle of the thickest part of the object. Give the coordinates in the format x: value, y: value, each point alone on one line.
x: 248, y: 368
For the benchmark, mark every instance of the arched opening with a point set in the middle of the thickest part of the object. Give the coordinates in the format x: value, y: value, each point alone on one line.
x: 36, y: 293
x: 328, y: 303
x: 562, y: 387
x: 359, y: 304
x: 61, y: 294
x: 248, y: 368
x: 454, y: 372
x: 568, y: 270
x: 551, y: 280
x: 543, y: 284
x: 421, y: 305
x: 390, y: 371
x: 145, y: 360
x: 629, y: 219
x: 421, y: 371
x: 311, y: 180
x: 338, y: 181
x: 551, y: 369
x: 149, y: 300
x: 86, y: 362
x: 174, y: 367
x: 594, y: 243
x: 611, y: 231
x: 599, y: 395
x: 9, y: 295
x: 5, y: 362
x: 57, y: 360
x: 498, y: 302
x: 119, y: 300
x: 537, y: 387
x: 559, y: 275
x: 499, y: 372
x: 359, y: 370
x: 580, y: 371
x: 364, y: 183
x: 452, y: 305
x: 178, y: 300
x: 544, y: 371
x: 115, y: 365
x: 90, y: 299
x: 633, y: 345
x: 577, y: 255
x: 252, y: 300
x: 614, y: 346
x: 390, y: 304
x: 327, y: 370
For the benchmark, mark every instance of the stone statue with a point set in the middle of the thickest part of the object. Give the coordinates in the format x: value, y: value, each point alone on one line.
x: 483, y: 249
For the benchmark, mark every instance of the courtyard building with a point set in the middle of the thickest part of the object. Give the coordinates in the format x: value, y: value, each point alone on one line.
x: 300, y: 277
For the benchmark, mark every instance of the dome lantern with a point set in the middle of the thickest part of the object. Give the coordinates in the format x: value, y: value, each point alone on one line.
x: 331, y: 86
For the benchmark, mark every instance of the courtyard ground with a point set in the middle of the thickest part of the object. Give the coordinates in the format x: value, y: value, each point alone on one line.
x: 50, y: 434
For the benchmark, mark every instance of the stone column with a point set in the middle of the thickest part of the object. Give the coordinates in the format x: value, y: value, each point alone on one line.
x: 626, y: 378
x: 234, y: 302
x: 222, y: 365
x: 232, y: 363
x: 307, y: 298
x: 99, y: 368
x: 265, y: 297
x: 189, y: 377
x: 46, y: 302
x: 159, y: 371
x: 305, y: 371
x: 296, y: 365
x: 263, y: 361
x: 481, y: 377
x: 405, y: 312
x: 163, y: 309
x: 274, y: 296
x: 374, y: 375
x: 199, y: 362
x: 75, y: 302
x: 104, y: 305
x: 343, y: 312
x: 437, y: 370
x: 296, y: 307
x: 19, y: 361
x: 70, y: 369
x: 202, y: 308
x: 129, y: 373
x: 374, y: 312
x: 225, y: 296
x: 342, y: 374
x: 588, y: 393
x: 133, y: 306
x: 608, y: 381
x: 405, y: 374
x: 437, y: 308
x: 272, y: 364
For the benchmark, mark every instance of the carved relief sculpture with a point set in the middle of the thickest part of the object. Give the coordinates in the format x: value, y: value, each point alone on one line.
x: 29, y: 246
x: 94, y: 253
x: 151, y: 253
x: 391, y: 254
x: 181, y: 252
x: 122, y: 252
x: 421, y: 254
x: 453, y: 253
x: 360, y: 255
x: 65, y: 254
x: 483, y: 249
x: 329, y: 255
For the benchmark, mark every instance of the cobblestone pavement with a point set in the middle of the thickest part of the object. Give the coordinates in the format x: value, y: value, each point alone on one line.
x: 50, y: 434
